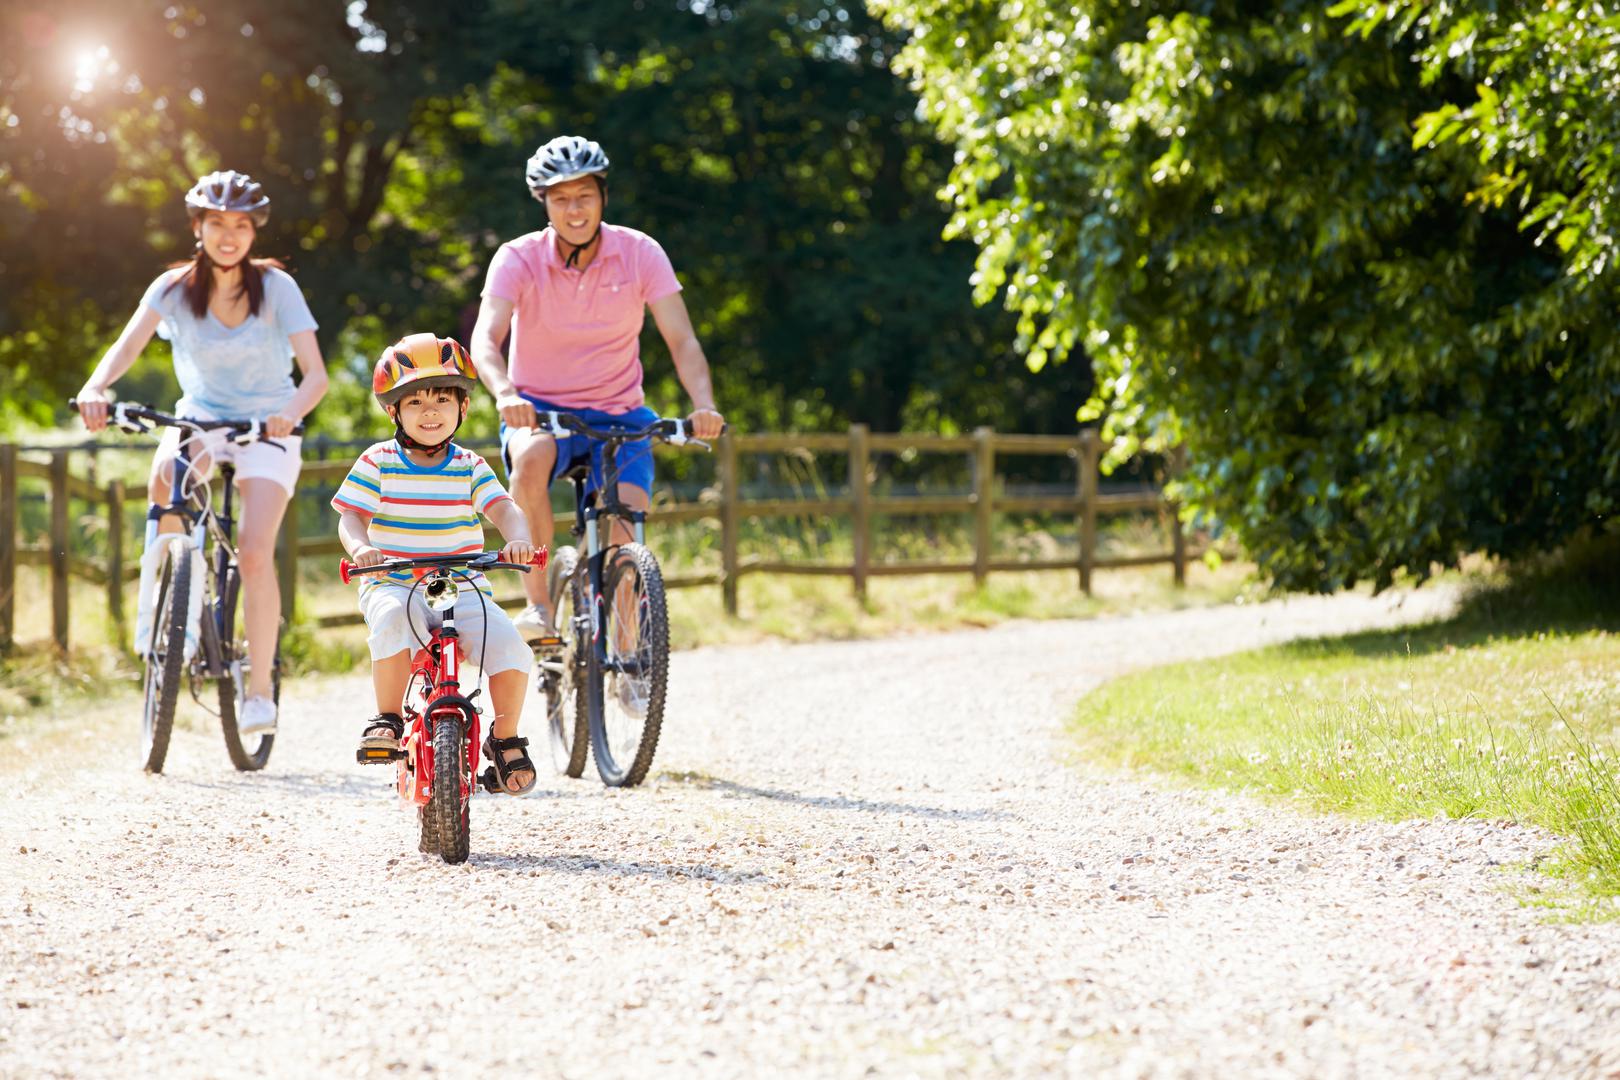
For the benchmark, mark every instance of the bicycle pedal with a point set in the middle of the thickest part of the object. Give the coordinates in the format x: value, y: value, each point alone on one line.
x: 489, y: 781
x: 377, y: 755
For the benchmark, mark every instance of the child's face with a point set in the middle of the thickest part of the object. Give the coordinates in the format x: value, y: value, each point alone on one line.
x: 429, y: 416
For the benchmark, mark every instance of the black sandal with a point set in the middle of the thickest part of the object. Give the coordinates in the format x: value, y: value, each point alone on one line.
x: 379, y: 743
x: 500, y: 771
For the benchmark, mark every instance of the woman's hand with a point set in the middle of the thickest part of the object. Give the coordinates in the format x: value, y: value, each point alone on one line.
x: 520, y: 552
x: 277, y: 426
x: 516, y: 412
x: 706, y: 423
x: 367, y: 556
x: 93, y: 408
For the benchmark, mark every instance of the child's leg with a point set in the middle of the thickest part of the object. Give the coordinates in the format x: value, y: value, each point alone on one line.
x: 389, y: 677
x: 488, y: 637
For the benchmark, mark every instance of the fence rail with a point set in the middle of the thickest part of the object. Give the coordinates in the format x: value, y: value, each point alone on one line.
x: 730, y: 509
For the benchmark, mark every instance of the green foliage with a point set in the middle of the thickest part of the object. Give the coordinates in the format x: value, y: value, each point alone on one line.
x: 1223, y: 205
x: 767, y: 144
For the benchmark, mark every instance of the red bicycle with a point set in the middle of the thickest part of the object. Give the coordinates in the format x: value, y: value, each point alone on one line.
x: 438, y: 755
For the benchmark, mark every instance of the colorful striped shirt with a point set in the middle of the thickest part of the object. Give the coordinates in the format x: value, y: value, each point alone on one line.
x: 418, y: 510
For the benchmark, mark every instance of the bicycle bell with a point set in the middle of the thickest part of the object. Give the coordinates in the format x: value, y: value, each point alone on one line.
x: 440, y: 594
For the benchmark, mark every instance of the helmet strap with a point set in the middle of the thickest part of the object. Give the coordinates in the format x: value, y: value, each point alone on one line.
x: 430, y: 449
x: 573, y: 256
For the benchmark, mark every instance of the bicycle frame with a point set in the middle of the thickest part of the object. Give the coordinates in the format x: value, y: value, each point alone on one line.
x: 436, y: 679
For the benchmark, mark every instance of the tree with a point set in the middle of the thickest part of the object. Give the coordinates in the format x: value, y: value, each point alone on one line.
x: 1222, y: 203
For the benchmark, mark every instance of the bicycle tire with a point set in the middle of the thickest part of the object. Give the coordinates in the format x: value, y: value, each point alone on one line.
x: 627, y: 713
x: 447, y: 807
x: 165, y: 654
x: 568, y: 718
x: 233, y: 682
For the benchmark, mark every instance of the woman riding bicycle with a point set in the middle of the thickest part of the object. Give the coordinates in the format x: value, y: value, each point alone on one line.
x: 574, y: 297
x: 236, y: 323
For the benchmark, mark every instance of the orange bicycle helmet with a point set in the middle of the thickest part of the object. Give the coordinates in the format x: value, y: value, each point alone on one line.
x: 417, y: 362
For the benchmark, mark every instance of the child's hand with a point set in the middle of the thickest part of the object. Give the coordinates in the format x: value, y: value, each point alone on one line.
x: 518, y: 551
x: 368, y: 556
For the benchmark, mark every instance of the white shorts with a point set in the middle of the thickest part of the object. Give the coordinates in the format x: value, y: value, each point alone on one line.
x: 255, y: 461
x: 391, y: 634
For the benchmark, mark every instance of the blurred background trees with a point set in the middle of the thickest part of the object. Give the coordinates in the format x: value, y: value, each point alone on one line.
x: 1357, y: 257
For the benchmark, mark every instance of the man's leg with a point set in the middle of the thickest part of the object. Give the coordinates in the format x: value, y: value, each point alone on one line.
x: 533, y: 456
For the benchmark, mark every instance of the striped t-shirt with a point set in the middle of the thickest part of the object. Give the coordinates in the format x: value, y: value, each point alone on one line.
x: 420, y: 510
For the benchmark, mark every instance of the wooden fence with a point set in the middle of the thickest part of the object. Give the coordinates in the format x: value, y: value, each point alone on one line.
x: 859, y: 505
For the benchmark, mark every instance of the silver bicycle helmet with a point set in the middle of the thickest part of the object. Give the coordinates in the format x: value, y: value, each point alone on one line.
x: 229, y: 190
x: 567, y: 157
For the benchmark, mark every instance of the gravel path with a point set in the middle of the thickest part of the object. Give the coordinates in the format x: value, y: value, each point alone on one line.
x: 853, y: 858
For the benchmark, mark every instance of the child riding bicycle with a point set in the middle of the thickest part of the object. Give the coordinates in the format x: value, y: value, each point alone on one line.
x: 419, y: 494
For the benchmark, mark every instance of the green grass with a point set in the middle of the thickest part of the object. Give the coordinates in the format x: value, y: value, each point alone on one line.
x: 1509, y: 710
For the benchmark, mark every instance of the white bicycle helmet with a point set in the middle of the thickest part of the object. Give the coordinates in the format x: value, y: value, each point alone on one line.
x: 567, y: 157
x: 229, y: 190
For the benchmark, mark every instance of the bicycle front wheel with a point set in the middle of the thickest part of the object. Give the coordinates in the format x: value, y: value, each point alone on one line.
x: 165, y: 653
x: 250, y: 754
x: 561, y: 678
x: 452, y: 788
x: 630, y: 668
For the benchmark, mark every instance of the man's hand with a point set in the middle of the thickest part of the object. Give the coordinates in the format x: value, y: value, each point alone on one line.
x: 277, y: 426
x: 93, y: 408
x: 520, y: 552
x: 516, y: 412
x: 367, y: 556
x: 706, y: 423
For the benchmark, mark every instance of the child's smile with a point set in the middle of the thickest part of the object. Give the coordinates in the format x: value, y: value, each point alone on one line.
x: 431, y: 416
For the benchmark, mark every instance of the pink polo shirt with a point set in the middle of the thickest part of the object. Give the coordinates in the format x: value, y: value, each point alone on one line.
x: 576, y: 335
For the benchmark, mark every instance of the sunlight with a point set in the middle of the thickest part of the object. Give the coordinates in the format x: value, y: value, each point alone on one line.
x: 88, y: 63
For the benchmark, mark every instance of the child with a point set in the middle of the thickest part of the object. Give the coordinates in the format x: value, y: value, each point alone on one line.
x: 420, y: 494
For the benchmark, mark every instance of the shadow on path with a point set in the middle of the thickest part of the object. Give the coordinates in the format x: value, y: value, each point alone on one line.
x: 825, y: 802
x: 591, y: 864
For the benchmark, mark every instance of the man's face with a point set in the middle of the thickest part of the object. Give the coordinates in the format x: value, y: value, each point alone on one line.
x: 575, y: 209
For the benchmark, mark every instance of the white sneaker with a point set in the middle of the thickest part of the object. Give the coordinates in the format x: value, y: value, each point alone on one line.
x: 258, y: 717
x: 534, y: 622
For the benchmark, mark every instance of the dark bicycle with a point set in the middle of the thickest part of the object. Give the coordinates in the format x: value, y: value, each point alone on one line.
x: 611, y: 675
x: 221, y: 654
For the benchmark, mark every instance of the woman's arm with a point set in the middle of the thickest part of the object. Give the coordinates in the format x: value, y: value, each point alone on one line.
x: 311, y: 387
x: 354, y: 532
x: 120, y: 358
x: 675, y: 325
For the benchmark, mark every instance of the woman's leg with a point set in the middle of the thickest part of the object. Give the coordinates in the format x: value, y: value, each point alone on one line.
x: 263, y: 504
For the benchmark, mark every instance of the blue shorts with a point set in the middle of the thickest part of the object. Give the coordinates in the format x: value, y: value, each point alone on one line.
x: 635, y: 459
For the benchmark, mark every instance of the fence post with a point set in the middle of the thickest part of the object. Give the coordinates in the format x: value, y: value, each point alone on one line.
x: 287, y: 566
x: 1090, y: 453
x: 984, y: 484
x: 59, y: 548
x: 1178, y: 535
x: 730, y: 496
x: 8, y: 546
x: 115, y: 557
x: 859, y: 503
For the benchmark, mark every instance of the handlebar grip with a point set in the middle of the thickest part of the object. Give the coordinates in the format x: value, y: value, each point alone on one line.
x: 344, y: 567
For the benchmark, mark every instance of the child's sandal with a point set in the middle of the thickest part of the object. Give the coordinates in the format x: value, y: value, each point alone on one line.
x: 379, y: 743
x: 500, y: 771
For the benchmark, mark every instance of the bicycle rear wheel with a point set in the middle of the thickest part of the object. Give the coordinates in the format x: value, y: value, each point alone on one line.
x: 561, y: 677
x: 165, y: 653
x: 452, y: 788
x: 251, y: 754
x: 630, y: 672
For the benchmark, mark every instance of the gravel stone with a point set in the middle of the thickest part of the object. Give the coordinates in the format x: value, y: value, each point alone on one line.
x: 853, y: 858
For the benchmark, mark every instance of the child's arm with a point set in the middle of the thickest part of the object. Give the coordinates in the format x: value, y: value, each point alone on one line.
x: 355, y: 534
x: 506, y: 516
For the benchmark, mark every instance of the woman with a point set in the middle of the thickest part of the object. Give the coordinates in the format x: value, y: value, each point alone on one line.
x: 236, y: 323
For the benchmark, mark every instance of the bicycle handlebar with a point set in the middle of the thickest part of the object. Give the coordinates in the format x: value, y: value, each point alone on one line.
x: 484, y: 560
x: 141, y: 418
x: 673, y: 431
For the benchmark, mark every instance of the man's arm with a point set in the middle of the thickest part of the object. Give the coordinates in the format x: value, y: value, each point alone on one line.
x: 691, y: 366
x: 494, y: 320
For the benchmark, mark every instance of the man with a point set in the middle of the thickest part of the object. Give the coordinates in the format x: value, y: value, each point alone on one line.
x: 574, y: 297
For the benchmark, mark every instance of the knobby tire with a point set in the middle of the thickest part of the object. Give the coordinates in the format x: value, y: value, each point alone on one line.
x: 446, y: 808
x: 636, y: 567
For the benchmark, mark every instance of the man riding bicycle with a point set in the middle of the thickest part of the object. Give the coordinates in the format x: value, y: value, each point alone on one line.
x: 574, y: 297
